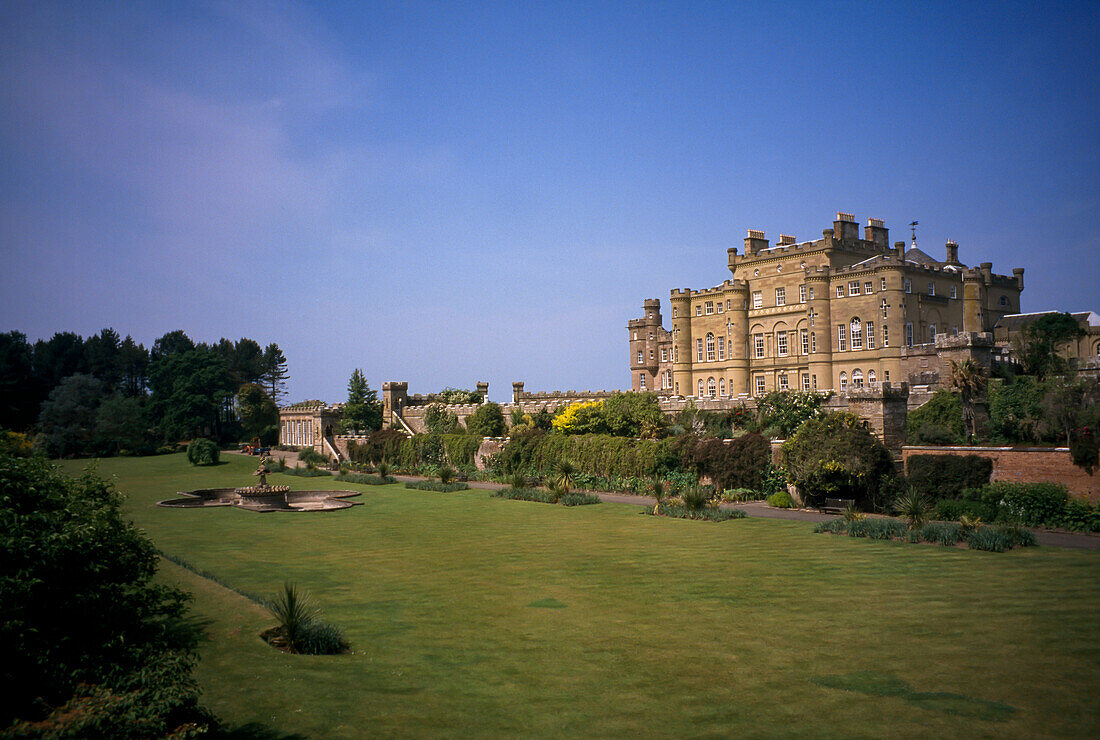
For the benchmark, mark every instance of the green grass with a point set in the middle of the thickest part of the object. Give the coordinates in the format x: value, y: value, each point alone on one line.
x: 472, y: 615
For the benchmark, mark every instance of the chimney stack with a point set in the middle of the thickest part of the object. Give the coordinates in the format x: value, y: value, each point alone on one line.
x: 755, y: 242
x: 952, y: 252
x: 845, y: 227
x: 876, y: 232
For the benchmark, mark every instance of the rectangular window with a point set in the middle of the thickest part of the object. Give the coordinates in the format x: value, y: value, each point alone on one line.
x: 801, y: 293
x: 954, y: 331
x: 758, y: 344
x: 674, y: 312
x: 884, y: 307
x: 650, y: 354
x: 932, y: 333
x: 953, y: 294
x: 908, y: 334
x: 867, y: 288
x: 839, y: 291
x: 931, y: 287
x: 842, y: 337
x: 699, y: 310
x: 760, y: 387
x: 783, y: 382
x: 728, y: 304
x: 641, y: 380
x: 908, y: 285
x: 805, y: 381
x: 709, y: 308
x: 699, y: 349
x: 886, y: 376
x: 720, y: 306
x: 810, y: 292
x: 857, y: 336
x: 780, y: 296
x: 804, y: 336
x: 781, y: 339
x: 885, y: 336
x: 853, y: 287
x: 757, y: 299
x: 813, y: 382
x: 813, y: 343
x: 639, y: 362
x: 664, y: 355
x: 870, y: 335
x: 721, y: 348
x: 883, y: 284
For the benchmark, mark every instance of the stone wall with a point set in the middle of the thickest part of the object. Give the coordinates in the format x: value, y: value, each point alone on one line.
x: 1024, y: 465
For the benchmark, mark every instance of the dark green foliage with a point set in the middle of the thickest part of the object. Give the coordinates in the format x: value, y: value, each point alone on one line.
x: 706, y: 513
x: 122, y: 425
x: 366, y: 480
x: 363, y: 410
x: 579, y: 499
x: 774, y: 479
x: 954, y: 509
x: 999, y: 539
x: 634, y: 415
x: 19, y: 389
x: 68, y: 418
x: 947, y: 476
x: 431, y: 485
x: 321, y: 638
x: 1041, y: 340
x: 487, y: 421
x: 1084, y: 449
x: 940, y: 421
x: 84, y: 630
x: 438, y: 419
x: 996, y: 539
x: 384, y: 444
x: 310, y: 456
x: 535, y: 452
x: 780, y: 500
x: 738, y: 463
x: 274, y: 373
x: 203, y: 451
x: 257, y: 413
x: 446, y: 474
x: 461, y: 449
x: 306, y: 472
x: 913, y: 506
x: 834, y: 456
x: 298, y: 629
x: 1079, y: 516
x: 695, y: 498
x: 526, y: 494
x: 784, y: 411
x: 1016, y: 409
x: 942, y: 533
x: 190, y: 389
x: 1030, y: 504
x: 456, y: 396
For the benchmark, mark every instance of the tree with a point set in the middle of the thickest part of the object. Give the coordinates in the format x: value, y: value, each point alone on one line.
x: 274, y: 372
x: 363, y: 410
x: 1039, y: 344
x: 258, y: 414
x: 439, y: 420
x: 247, y: 363
x: 101, y: 355
x: 133, y: 360
x: 173, y: 343
x: 939, y: 421
x: 189, y: 390
x: 19, y: 396
x: 968, y: 378
x: 834, y: 456
x: 634, y: 415
x: 782, y: 412
x: 582, y: 417
x: 487, y: 421
x: 68, y: 417
x: 60, y: 357
x: 122, y: 423
x: 90, y: 645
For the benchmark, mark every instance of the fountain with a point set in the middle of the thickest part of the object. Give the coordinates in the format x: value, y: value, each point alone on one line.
x: 263, y: 497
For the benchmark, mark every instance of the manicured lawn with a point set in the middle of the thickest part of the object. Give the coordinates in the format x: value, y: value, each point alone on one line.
x: 473, y: 615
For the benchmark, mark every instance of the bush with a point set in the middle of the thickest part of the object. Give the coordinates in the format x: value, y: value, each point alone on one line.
x: 579, y: 499
x: 383, y: 444
x: 834, y: 456
x: 780, y: 500
x: 366, y: 480
x: 947, y: 476
x: 321, y: 638
x: 298, y: 629
x: 999, y: 539
x: 940, y: 421
x: 1033, y: 504
x: 306, y: 472
x: 310, y: 456
x: 1081, y: 517
x: 487, y: 421
x: 955, y: 509
x: 996, y: 539
x: 739, y: 463
x: 430, y: 485
x: 707, y: 514
x: 526, y: 494
x: 203, y: 451
x: 695, y: 498
x: 943, y: 533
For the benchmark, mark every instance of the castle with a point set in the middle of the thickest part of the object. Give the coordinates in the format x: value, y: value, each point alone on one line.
x: 834, y: 313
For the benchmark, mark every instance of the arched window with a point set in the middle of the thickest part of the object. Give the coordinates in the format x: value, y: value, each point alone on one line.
x: 857, y: 378
x: 931, y: 332
x: 721, y: 386
x: 844, y: 381
x: 870, y: 377
x: 857, y: 332
x: 710, y: 347
x: 700, y: 387
x: 712, y: 389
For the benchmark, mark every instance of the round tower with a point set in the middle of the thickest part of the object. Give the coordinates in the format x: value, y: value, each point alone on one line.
x: 644, y: 336
x: 681, y: 341
x: 737, y: 336
x: 821, y: 338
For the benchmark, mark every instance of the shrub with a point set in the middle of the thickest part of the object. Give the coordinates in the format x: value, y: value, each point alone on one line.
x: 306, y: 472
x: 1030, y: 504
x: 942, y: 533
x: 1081, y: 517
x: 438, y: 419
x: 446, y: 474
x: 955, y: 509
x: 310, y: 456
x: 203, y: 451
x: 293, y: 610
x: 834, y: 456
x: 939, y: 421
x: 704, y: 514
x: 739, y: 463
x: 525, y: 494
x: 366, y: 480
x: 321, y: 638
x: 913, y: 506
x: 487, y: 421
x: 579, y: 499
x: 695, y: 498
x: 947, y: 476
x: 780, y: 500
x: 430, y: 485
x: 988, y: 538
x: 880, y: 529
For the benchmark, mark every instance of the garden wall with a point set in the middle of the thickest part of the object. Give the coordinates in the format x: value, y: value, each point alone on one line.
x: 1025, y: 465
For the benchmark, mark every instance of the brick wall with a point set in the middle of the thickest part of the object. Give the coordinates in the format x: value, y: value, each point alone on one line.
x: 1026, y: 465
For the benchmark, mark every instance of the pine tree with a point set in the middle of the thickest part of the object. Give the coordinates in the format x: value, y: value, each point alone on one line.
x: 362, y: 410
x: 274, y: 371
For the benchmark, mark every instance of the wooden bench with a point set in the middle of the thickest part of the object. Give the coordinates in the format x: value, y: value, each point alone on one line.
x: 837, y: 505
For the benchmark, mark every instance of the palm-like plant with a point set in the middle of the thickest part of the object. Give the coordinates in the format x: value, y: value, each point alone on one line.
x: 913, y: 507
x: 294, y: 611
x: 518, y: 480
x: 446, y: 474
x: 565, y: 477
x: 383, y: 469
x: 968, y: 378
x: 658, y: 489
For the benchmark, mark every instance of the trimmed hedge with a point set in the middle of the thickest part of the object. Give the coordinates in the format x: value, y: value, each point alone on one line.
x: 366, y: 480
x: 705, y: 514
x: 947, y: 476
x: 737, y: 463
x: 994, y: 539
x: 203, y: 451
x: 431, y: 485
x: 525, y: 494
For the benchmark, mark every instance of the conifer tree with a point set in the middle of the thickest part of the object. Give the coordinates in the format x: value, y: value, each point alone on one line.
x: 274, y: 371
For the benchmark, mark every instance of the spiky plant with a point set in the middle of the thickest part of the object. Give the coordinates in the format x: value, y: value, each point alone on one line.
x: 658, y: 488
x: 694, y: 498
x: 518, y: 480
x: 383, y: 469
x: 446, y: 474
x: 969, y: 523
x: 852, y: 514
x: 913, y: 507
x: 565, y: 476
x: 294, y: 611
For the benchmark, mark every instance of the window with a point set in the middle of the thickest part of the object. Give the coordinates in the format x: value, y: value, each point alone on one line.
x: 908, y: 285
x: 710, y: 347
x: 760, y: 387
x: 780, y: 296
x: 664, y: 354
x: 805, y: 381
x: 931, y: 287
x: 757, y: 299
x: 668, y: 379
x: 634, y: 335
x: 651, y: 335
x: 712, y: 389
x: 804, y: 337
x: 853, y: 287
x: 699, y: 310
x: 699, y: 350
x: 675, y: 354
x: 885, y: 336
x: 709, y: 307
x: 870, y: 335
x: 884, y: 309
x: 870, y: 377
x: 813, y: 342
x: 1004, y: 301
x: 720, y: 306
x: 954, y: 331
x: 908, y: 334
x: 651, y: 355
x: 932, y: 333
x: 813, y: 315
x: 674, y: 312
x: 721, y: 348
x: 758, y: 344
x: 781, y: 339
x: 857, y: 334
x: 842, y: 337
x: 857, y: 378
x: 639, y: 362
x: 883, y: 284
x: 801, y: 293
x: 641, y: 380
x: 700, y: 387
x: 813, y: 382
x: 885, y: 376
x: 843, y: 381
x: 721, y: 386
x: 953, y: 294
x: 677, y: 389
x: 810, y: 292
x: 783, y: 382
x: 840, y: 291
x: 867, y: 288
x: 728, y: 304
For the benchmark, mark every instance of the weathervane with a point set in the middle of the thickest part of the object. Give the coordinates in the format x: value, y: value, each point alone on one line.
x: 913, y: 228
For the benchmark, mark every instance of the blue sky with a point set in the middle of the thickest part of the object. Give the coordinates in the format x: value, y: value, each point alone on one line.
x: 452, y: 192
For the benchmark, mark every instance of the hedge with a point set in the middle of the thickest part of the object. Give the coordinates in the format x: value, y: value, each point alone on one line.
x: 947, y: 476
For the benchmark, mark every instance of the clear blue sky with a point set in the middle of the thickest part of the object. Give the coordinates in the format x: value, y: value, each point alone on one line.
x: 452, y: 192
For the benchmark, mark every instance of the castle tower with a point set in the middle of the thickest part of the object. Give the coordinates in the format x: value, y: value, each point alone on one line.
x: 681, y: 342
x: 821, y: 342
x: 737, y: 334
x: 644, y: 335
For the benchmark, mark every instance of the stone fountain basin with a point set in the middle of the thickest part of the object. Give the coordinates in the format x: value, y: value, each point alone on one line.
x: 289, y: 501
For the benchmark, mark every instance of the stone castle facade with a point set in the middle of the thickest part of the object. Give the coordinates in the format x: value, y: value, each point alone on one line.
x: 836, y: 313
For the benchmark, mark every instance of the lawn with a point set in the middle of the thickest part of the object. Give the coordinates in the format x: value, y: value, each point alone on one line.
x: 470, y: 615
